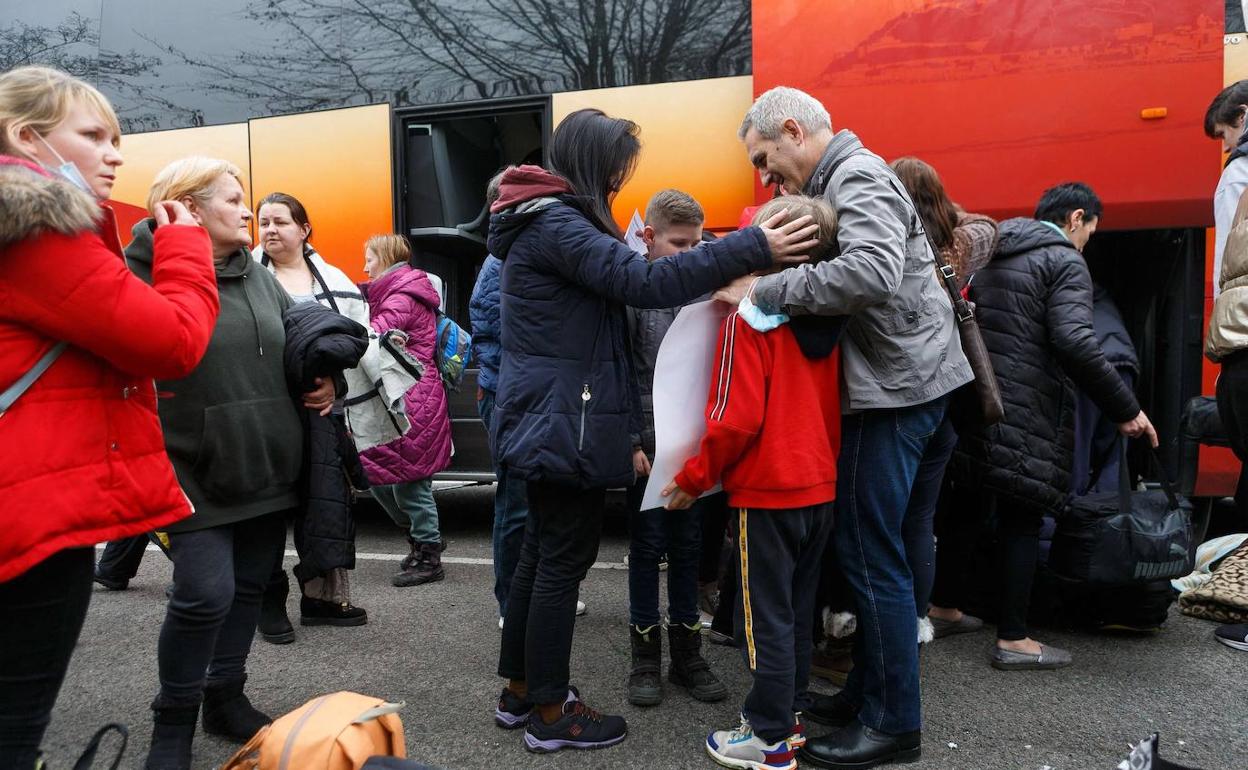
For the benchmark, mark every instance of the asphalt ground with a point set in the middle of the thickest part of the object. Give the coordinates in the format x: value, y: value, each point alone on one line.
x: 435, y: 647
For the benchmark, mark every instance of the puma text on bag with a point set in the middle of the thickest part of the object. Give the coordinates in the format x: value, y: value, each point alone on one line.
x: 1124, y: 538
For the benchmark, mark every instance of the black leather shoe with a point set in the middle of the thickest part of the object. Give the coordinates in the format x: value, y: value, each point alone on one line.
x: 832, y: 710
x: 858, y: 746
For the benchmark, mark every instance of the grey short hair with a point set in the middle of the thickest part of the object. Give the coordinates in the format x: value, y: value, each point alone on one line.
x: 773, y: 107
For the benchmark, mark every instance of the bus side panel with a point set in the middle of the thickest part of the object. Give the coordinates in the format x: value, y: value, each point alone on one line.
x: 1044, y: 91
x: 147, y: 153
x: 688, y: 141
x: 337, y: 163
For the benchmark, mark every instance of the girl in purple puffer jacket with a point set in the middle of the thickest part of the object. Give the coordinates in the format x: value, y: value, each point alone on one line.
x: 401, y: 472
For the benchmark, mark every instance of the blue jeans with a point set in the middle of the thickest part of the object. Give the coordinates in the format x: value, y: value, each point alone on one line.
x: 651, y: 534
x: 917, y: 530
x: 511, y: 510
x: 881, y: 450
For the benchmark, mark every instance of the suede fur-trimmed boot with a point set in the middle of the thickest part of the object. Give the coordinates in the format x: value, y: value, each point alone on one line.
x: 275, y: 626
x: 688, y: 668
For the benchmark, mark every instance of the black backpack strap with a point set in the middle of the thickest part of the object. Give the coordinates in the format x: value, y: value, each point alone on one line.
x: 87, y: 759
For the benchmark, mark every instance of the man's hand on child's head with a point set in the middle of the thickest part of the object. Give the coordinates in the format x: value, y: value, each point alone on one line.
x: 679, y: 498
x: 790, y: 242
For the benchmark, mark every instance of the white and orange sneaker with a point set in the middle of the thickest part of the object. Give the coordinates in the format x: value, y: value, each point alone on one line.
x: 742, y: 749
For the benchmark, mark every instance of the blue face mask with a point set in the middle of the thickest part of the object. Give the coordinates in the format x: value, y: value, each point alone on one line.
x: 757, y: 319
x: 68, y: 170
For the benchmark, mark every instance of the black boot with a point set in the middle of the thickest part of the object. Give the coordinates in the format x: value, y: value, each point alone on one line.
x: 412, y: 557
x: 173, y: 730
x: 426, y: 569
x: 689, y: 669
x: 275, y: 626
x: 645, y: 681
x: 228, y: 713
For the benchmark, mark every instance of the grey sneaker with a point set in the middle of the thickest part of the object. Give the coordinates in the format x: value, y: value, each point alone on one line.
x: 1048, y: 658
x: 967, y: 624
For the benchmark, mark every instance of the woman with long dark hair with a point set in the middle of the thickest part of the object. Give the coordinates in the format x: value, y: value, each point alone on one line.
x: 567, y: 398
x: 966, y: 242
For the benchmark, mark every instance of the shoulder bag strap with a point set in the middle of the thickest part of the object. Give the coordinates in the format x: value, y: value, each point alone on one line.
x: 948, y: 276
x: 15, y: 391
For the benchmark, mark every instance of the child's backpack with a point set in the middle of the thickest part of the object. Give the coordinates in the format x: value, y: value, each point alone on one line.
x: 453, y: 352
x: 340, y: 731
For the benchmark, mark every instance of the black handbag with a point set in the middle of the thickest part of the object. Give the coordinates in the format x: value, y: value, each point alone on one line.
x: 1125, y: 538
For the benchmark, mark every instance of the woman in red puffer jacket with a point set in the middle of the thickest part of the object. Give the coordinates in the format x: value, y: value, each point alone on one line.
x: 82, y: 457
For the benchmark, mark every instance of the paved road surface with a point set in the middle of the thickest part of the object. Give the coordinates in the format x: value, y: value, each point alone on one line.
x: 435, y: 647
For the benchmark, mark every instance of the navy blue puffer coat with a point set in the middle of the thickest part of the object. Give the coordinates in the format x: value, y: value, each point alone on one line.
x: 567, y: 397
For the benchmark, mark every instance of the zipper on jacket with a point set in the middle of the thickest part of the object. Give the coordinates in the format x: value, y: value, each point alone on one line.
x: 585, y: 397
x: 255, y: 319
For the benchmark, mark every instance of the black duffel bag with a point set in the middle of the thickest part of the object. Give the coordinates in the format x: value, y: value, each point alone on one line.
x: 1124, y: 538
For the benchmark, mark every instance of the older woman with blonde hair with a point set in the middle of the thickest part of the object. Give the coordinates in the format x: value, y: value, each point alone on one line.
x: 81, y: 455
x: 236, y: 442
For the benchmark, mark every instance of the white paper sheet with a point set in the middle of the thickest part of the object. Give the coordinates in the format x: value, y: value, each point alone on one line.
x: 632, y: 236
x: 682, y: 377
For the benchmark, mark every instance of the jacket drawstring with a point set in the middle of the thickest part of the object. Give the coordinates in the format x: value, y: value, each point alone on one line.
x: 254, y: 318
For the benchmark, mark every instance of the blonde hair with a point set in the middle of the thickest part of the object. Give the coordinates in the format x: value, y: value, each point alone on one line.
x: 673, y: 207
x: 799, y: 206
x: 194, y: 176
x: 40, y: 98
x: 390, y: 249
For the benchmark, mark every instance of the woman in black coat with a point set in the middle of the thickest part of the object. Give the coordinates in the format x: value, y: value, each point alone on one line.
x: 1034, y: 305
x: 567, y: 400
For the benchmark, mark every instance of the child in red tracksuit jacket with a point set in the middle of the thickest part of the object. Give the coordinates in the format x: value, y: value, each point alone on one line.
x: 773, y: 429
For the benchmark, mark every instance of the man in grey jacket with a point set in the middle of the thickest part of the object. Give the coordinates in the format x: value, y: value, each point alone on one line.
x: 901, y: 357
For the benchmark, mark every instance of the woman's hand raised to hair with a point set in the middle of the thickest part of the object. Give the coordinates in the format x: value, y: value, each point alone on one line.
x: 790, y: 242
x: 173, y: 213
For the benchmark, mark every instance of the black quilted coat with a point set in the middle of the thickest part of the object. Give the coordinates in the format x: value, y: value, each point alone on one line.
x: 321, y: 343
x: 1034, y: 304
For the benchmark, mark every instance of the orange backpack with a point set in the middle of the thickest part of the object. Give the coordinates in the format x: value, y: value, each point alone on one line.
x: 332, y: 732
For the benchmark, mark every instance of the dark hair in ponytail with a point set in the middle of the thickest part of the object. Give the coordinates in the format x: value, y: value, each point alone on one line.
x: 596, y: 154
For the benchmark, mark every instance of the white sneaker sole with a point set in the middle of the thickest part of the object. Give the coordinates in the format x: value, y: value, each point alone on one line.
x: 1233, y: 644
x: 744, y: 764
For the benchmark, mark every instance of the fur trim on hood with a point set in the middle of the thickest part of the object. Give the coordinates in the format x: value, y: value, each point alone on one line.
x: 34, y: 202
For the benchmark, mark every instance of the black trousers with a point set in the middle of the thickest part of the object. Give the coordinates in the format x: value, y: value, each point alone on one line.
x: 714, y: 525
x: 1018, y: 545
x: 219, y: 575
x: 560, y: 545
x: 121, y: 558
x: 778, y: 559
x: 1232, y: 393
x: 43, y: 611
